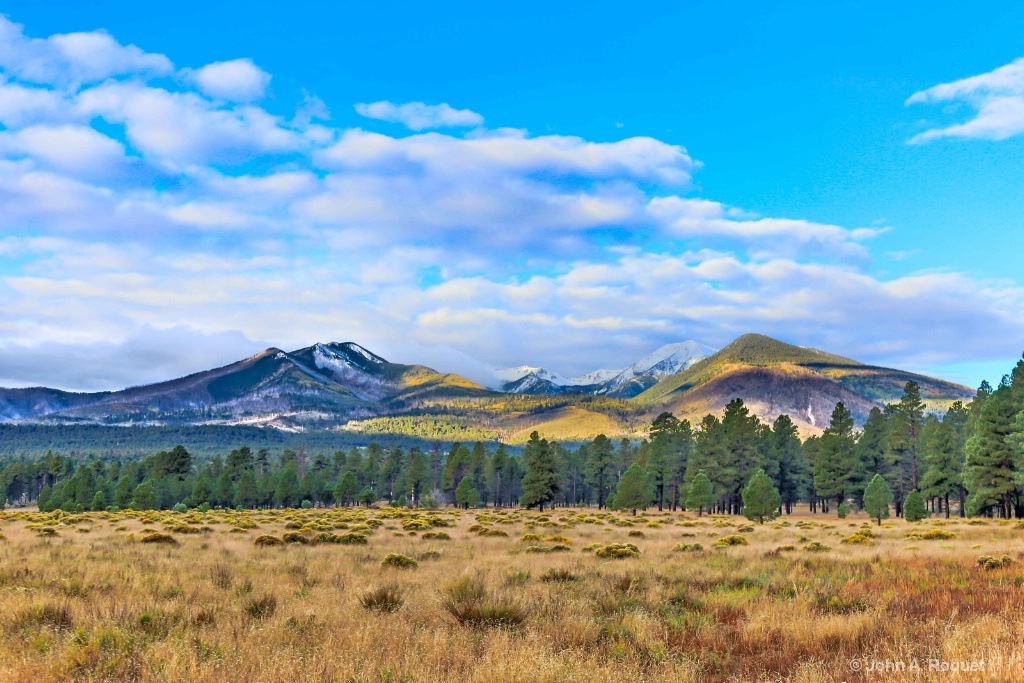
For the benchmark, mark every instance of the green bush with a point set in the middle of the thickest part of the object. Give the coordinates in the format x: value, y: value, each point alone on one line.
x: 268, y: 540
x: 157, y: 537
x: 398, y: 561
x: 617, y: 551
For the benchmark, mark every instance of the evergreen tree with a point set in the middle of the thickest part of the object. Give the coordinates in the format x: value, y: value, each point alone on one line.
x: 877, y: 497
x: 496, y: 474
x: 904, y: 442
x: 418, y: 476
x: 701, y: 493
x: 123, y: 492
x: 634, y: 489
x: 913, y: 507
x: 945, y: 454
x: 740, y: 431
x: 466, y: 495
x: 761, y: 500
x: 287, y: 492
x: 600, y: 467
x: 870, y: 453
x: 540, y: 484
x: 99, y: 502
x: 835, y: 461
x: 145, y: 497
x: 991, y: 470
x: 246, y: 493
x: 347, y: 490
x: 792, y: 469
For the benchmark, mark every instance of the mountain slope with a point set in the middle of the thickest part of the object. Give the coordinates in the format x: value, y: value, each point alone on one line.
x: 334, y: 381
x: 773, y: 377
x: 624, y: 383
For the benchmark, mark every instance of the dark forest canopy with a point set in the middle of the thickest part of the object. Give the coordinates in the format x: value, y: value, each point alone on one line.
x: 970, y: 461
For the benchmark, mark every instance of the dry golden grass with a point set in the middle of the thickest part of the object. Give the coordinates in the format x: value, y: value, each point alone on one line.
x: 215, y: 606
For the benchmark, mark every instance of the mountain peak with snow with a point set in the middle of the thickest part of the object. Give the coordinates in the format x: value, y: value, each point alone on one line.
x: 626, y: 382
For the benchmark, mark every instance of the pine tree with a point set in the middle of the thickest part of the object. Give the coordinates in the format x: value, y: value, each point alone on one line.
x: 466, y: 495
x: 99, y: 502
x: 347, y: 490
x: 991, y: 470
x: 870, y: 453
x: 740, y: 431
x: 634, y: 489
x: 913, y: 507
x: 418, y: 475
x: 541, y: 482
x: 145, y: 497
x: 496, y: 474
x: 904, y: 442
x: 246, y: 494
x: 761, y: 500
x: 792, y: 468
x: 287, y: 492
x: 944, y: 457
x: 834, y: 461
x: 877, y: 497
x: 701, y: 493
x: 600, y: 467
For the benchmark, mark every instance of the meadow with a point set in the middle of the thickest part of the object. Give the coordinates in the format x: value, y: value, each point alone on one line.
x: 347, y: 594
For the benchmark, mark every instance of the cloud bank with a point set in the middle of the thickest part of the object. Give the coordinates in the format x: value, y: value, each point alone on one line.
x: 157, y: 219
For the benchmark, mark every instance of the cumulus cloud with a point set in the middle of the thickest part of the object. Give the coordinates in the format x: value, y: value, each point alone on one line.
x: 997, y: 98
x: 72, y: 59
x: 237, y: 80
x: 420, y: 116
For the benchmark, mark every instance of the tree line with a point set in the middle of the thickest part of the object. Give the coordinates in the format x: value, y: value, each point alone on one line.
x: 969, y: 461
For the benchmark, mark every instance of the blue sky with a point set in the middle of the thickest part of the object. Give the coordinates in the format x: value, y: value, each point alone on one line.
x: 603, y: 180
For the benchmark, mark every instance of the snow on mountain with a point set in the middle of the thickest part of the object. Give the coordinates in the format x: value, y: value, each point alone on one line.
x: 665, y: 361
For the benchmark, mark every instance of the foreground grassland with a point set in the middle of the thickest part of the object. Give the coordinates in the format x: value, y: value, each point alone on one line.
x: 509, y: 596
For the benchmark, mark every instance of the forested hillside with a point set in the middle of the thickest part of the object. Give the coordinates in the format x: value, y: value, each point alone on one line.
x: 970, y: 461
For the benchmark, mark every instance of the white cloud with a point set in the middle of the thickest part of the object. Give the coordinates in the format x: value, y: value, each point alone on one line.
x: 238, y: 80
x: 420, y: 116
x: 997, y: 98
x: 77, y: 150
x: 73, y: 58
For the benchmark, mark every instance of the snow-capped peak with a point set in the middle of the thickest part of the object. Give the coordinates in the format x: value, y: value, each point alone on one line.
x: 665, y: 361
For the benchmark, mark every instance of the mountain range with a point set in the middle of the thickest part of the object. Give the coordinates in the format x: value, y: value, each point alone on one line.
x: 345, y: 386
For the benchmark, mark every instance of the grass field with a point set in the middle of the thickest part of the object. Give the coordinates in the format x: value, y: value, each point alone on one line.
x: 510, y: 596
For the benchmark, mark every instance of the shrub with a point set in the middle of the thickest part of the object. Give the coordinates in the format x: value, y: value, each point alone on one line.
x: 857, y: 538
x: 353, y: 538
x: 428, y: 555
x: 688, y: 548
x: 526, y: 538
x: 493, y: 532
x: 262, y: 607
x: 988, y: 562
x: 816, y: 547
x: 558, y: 539
x: 932, y: 535
x: 398, y: 561
x: 745, y: 529
x: 268, y: 540
x: 388, y: 597
x: 617, y: 551
x: 325, y: 537
x: 592, y: 547
x: 436, y: 536
x: 295, y: 537
x: 843, y: 510
x: 157, y: 537
x: 469, y: 601
x: 636, y: 533
x: 732, y: 539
